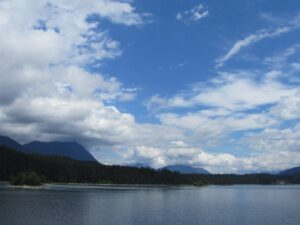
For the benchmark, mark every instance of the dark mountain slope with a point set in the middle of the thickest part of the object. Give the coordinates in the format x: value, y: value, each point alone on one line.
x: 292, y: 171
x: 8, y: 142
x: 72, y: 150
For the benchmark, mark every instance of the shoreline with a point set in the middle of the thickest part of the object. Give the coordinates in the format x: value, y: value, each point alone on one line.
x: 92, y: 186
x: 87, y: 186
x: 6, y: 184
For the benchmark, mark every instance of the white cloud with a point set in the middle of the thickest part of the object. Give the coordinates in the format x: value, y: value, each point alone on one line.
x: 45, y: 93
x: 253, y: 38
x: 214, y: 162
x: 281, y: 59
x: 195, y: 14
x: 159, y: 157
x: 209, y: 130
x: 240, y: 91
x: 276, y: 140
x: 288, y: 108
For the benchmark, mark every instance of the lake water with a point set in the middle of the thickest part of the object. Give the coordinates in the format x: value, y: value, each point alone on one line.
x: 212, y: 205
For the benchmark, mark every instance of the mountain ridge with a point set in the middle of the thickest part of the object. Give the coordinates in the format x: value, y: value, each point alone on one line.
x: 290, y: 171
x: 72, y: 150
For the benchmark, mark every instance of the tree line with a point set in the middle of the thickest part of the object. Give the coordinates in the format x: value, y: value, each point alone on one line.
x: 21, y: 168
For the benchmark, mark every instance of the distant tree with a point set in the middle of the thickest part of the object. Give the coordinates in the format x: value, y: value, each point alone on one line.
x: 26, y: 178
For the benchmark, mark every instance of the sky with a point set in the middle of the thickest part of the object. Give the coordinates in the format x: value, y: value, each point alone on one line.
x: 211, y: 84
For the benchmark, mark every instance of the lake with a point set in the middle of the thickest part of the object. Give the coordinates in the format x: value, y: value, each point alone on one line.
x: 114, y: 205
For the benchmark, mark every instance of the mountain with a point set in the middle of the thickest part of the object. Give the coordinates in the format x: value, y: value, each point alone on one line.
x: 292, y: 171
x: 72, y: 150
x: 8, y: 142
x: 185, y: 169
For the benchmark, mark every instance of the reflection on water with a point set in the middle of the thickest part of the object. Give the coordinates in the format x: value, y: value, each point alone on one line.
x: 213, y: 205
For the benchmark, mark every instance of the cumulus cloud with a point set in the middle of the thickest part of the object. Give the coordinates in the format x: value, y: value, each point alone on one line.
x: 175, y: 154
x: 193, y: 15
x: 276, y: 148
x: 45, y: 92
x: 214, y: 162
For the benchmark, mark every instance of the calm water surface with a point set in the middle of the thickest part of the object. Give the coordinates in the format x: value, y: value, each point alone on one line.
x: 213, y: 205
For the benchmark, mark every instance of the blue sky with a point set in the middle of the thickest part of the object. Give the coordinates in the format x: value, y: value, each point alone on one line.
x: 213, y: 84
x: 167, y: 55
